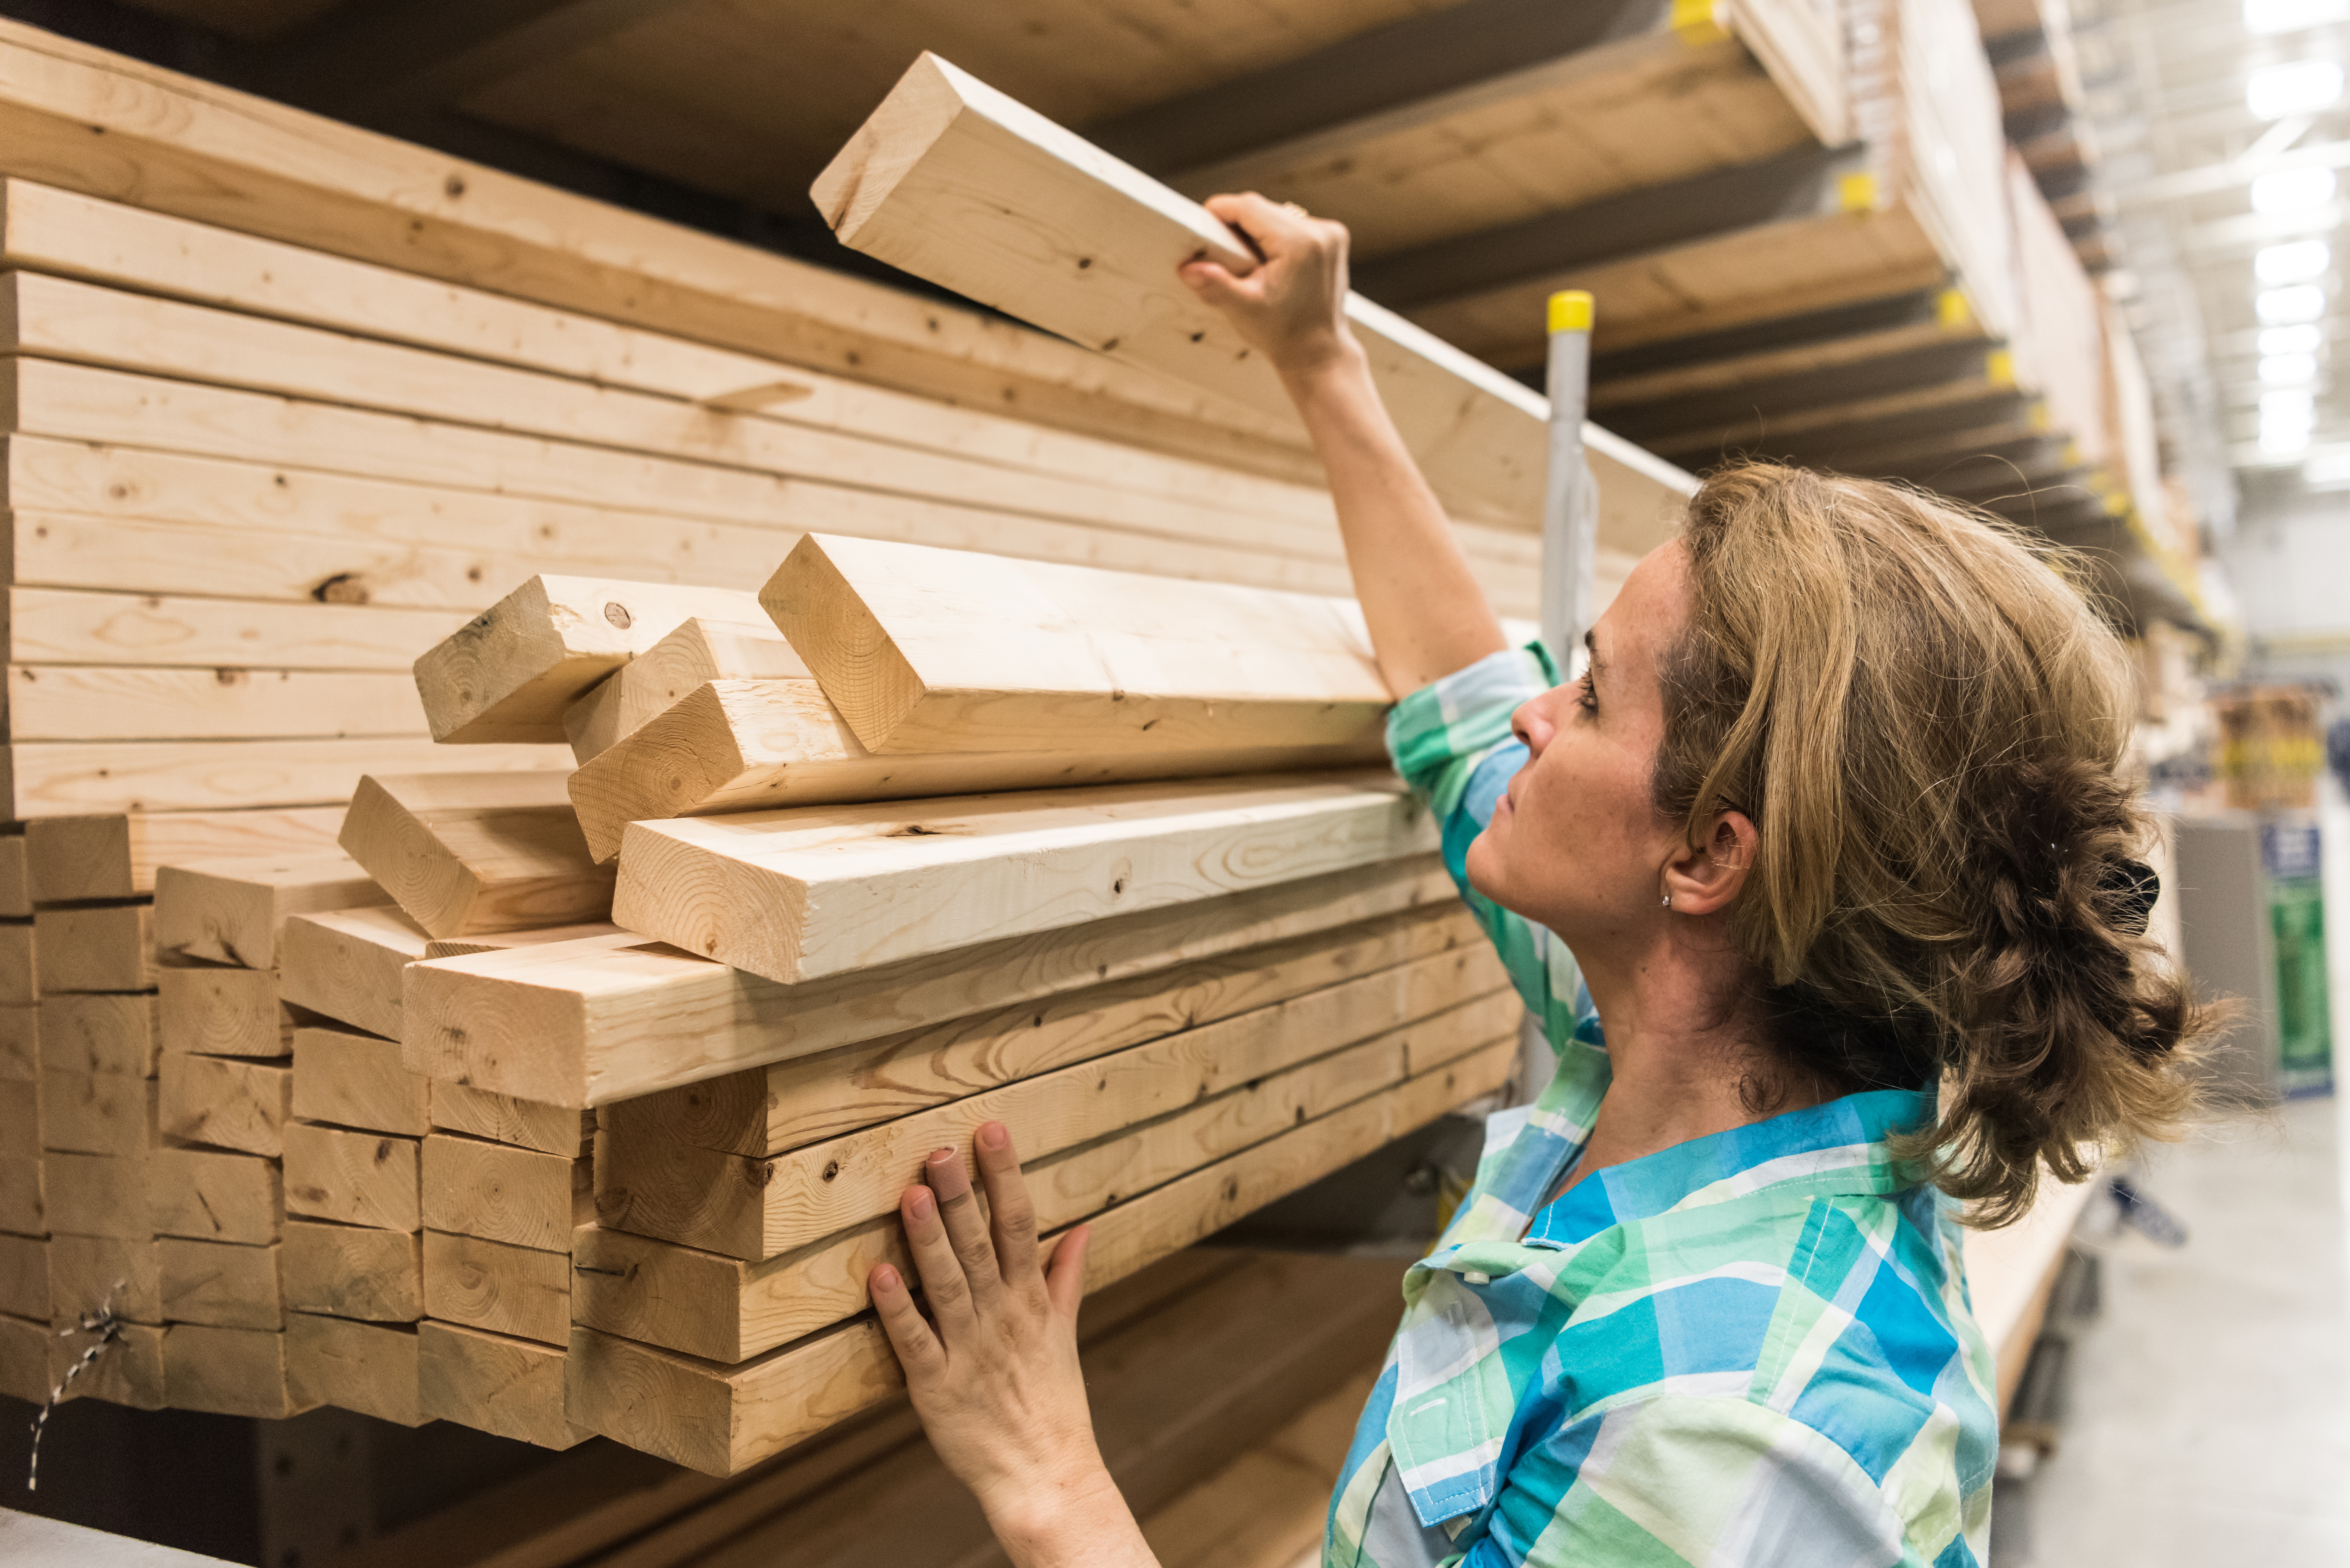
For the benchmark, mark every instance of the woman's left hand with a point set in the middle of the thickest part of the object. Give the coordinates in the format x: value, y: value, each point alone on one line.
x: 993, y: 1368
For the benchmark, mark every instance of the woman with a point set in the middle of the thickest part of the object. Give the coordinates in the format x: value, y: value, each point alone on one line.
x: 1819, y: 882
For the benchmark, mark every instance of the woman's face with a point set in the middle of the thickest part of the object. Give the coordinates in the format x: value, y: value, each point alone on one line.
x: 1576, y: 842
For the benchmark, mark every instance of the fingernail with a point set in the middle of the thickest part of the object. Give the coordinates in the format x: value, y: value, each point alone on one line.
x: 885, y: 1278
x: 942, y: 1155
x: 920, y: 1203
x: 993, y: 1136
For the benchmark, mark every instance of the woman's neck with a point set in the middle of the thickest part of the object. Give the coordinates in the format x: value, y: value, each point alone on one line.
x: 1688, y: 1052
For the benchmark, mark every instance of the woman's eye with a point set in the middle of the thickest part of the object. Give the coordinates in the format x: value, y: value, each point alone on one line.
x: 1585, y: 697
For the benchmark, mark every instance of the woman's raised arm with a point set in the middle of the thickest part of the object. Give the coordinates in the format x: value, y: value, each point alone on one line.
x: 1428, y: 617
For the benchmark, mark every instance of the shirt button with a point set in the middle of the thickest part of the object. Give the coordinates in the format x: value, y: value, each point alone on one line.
x: 1476, y: 1277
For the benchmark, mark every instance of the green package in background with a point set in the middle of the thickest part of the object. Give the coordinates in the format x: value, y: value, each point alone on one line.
x: 2297, y: 918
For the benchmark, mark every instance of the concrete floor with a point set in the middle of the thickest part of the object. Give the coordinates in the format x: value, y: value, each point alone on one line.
x: 2207, y: 1420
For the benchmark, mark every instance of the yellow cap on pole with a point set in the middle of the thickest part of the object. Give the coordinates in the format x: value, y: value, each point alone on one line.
x: 1570, y: 310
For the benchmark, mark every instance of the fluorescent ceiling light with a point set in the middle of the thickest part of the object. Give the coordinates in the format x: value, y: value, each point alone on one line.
x: 2283, y: 306
x: 2284, y: 442
x: 2300, y: 87
x: 2291, y: 189
x: 2288, y: 369
x: 2291, y: 341
x: 2291, y: 15
x: 2297, y: 261
x: 2288, y: 406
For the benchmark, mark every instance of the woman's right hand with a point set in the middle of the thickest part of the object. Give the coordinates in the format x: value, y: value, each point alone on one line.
x: 1293, y: 309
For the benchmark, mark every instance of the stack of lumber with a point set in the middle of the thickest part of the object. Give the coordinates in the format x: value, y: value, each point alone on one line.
x: 2041, y: 102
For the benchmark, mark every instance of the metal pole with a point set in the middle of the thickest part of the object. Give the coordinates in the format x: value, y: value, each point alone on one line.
x: 1570, y: 509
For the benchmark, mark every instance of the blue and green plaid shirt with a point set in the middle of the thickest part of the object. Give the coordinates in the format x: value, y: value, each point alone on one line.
x: 1750, y: 1348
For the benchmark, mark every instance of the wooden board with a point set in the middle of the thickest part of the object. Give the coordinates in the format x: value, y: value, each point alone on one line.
x: 97, y: 1112
x: 719, y: 1418
x: 100, y: 948
x: 20, y: 1115
x: 212, y: 1195
x: 357, y: 1178
x: 462, y: 853
x: 747, y: 745
x: 371, y: 1367
x: 496, y: 1285
x: 96, y: 1195
x: 228, y: 1371
x: 521, y: 1196
x: 16, y: 879
x: 20, y: 982
x: 756, y: 1210
x: 231, y: 911
x: 957, y: 184
x: 606, y: 1019
x: 129, y: 1372
x: 221, y: 1283
x: 817, y: 891
x: 102, y: 1033
x: 502, y: 1118
x: 498, y: 941
x: 89, y: 1273
x: 220, y: 1011
x: 346, y: 964
x: 23, y: 1207
x: 509, y: 673
x: 767, y: 1110
x: 225, y: 1102
x: 195, y: 778
x: 24, y: 1290
x: 20, y: 1042
x: 494, y: 1383
x: 77, y: 858
x: 357, y: 1081
x: 923, y: 649
x: 353, y: 1271
x: 699, y: 650
x: 25, y: 1359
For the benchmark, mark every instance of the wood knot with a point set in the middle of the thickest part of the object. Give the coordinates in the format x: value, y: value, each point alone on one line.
x: 618, y: 614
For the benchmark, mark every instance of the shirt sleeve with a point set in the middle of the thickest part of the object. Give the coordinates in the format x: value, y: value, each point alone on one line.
x: 1720, y: 1480
x: 1451, y: 743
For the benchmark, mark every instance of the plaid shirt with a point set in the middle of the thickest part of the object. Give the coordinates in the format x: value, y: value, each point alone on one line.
x: 1750, y: 1348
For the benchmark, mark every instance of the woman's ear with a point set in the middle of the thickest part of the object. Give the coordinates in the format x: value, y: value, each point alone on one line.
x: 1706, y: 881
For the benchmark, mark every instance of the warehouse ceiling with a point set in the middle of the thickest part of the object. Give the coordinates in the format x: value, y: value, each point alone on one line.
x: 2212, y: 189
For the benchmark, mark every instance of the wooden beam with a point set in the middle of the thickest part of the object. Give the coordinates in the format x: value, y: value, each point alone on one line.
x: 498, y: 941
x: 945, y: 155
x: 928, y: 650
x: 353, y: 1271
x: 698, y: 1198
x: 769, y: 892
x: 228, y: 1371
x: 719, y: 1418
x: 496, y: 1285
x: 225, y: 1101
x: 16, y: 879
x: 371, y: 1367
x: 767, y: 1110
x: 20, y: 1041
x: 211, y: 1195
x: 463, y: 853
x: 215, y: 1010
x: 102, y: 1033
x: 20, y: 1115
x: 357, y: 1178
x: 25, y: 1277
x: 96, y: 948
x: 222, y: 1283
x: 230, y: 911
x: 748, y: 745
x: 606, y: 1019
x: 346, y: 964
x: 23, y: 1204
x: 757, y: 1208
x: 357, y: 1081
x: 95, y: 1195
x: 502, y: 1118
x: 87, y: 1272
x: 699, y: 650
x: 522, y: 1196
x: 97, y: 1112
x: 494, y: 1383
x: 509, y: 673
x: 20, y: 981
x: 131, y: 1375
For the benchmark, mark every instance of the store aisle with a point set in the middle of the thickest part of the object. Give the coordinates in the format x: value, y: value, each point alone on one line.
x: 2209, y: 1407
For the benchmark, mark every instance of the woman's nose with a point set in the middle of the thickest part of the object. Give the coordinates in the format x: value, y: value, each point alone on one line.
x: 1533, y: 723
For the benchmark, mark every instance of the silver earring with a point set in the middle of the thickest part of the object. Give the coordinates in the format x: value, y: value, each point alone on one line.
x: 1668, y: 901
